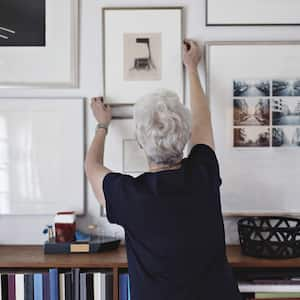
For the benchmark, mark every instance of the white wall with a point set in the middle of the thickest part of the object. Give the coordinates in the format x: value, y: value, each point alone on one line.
x: 27, y: 230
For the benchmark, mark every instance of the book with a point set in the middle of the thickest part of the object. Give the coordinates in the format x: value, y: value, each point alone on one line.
x: 38, y: 286
x: 53, y: 276
x: 82, y: 286
x: 93, y: 246
x: 89, y: 286
x: 68, y: 286
x: 123, y: 286
x: 4, y: 286
x: 62, y: 295
x: 11, y: 287
x: 28, y: 287
x: 46, y: 286
x: 109, y: 286
x: 19, y: 279
x: 102, y: 286
x: 97, y: 286
x: 76, y: 283
x: 128, y: 287
x: 277, y: 296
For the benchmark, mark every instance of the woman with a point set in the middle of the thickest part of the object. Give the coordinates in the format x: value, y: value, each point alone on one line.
x: 172, y: 214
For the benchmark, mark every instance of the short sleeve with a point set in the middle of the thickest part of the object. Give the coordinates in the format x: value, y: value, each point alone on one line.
x: 205, y: 156
x: 114, y: 190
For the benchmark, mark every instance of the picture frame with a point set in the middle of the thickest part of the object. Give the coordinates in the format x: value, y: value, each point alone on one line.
x: 44, y: 160
x: 254, y: 178
x: 136, y: 52
x: 252, y: 13
x: 52, y: 63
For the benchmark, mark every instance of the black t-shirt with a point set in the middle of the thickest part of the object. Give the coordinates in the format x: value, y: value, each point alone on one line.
x: 174, y: 230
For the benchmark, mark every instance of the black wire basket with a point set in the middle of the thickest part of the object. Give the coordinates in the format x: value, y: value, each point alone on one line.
x: 270, y: 237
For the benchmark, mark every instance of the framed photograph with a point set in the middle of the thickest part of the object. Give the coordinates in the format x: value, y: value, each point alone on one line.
x: 142, y: 50
x: 39, y: 43
x: 252, y: 12
x: 42, y: 156
x: 253, y: 93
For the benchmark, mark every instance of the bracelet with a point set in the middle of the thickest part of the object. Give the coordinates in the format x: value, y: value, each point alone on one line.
x: 102, y: 126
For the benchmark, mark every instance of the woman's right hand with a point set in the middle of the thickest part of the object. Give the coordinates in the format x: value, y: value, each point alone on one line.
x: 191, y: 55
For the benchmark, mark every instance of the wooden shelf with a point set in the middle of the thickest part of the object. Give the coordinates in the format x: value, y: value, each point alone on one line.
x: 33, y: 257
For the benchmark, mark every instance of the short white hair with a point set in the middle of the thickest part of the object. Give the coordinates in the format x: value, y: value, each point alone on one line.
x: 163, y: 126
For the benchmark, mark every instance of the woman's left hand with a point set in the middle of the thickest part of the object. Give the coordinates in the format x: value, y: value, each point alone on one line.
x: 101, y: 111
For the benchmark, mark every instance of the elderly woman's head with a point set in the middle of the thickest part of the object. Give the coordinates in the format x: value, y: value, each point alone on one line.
x: 163, y: 127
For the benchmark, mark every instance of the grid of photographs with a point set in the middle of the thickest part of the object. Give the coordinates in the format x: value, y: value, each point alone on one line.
x: 266, y: 113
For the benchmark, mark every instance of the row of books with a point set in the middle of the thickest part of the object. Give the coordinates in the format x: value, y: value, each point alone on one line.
x: 55, y: 285
x: 124, y: 287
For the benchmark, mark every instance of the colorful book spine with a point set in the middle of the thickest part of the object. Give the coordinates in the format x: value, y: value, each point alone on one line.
x: 128, y: 288
x: 76, y: 283
x: 46, y: 286
x: 97, y: 286
x: 11, y: 287
x: 4, y: 286
x: 123, y: 286
x: 53, y: 276
x: 89, y: 286
x: 68, y: 286
x: 38, y: 286
x: 28, y: 287
x: 109, y: 286
x: 102, y: 286
x: 19, y: 278
x: 62, y: 295
x: 82, y: 286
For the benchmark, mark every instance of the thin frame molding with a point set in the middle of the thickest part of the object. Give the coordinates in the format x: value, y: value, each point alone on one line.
x: 138, y: 8
x: 209, y: 44
x: 75, y: 58
x: 242, y: 24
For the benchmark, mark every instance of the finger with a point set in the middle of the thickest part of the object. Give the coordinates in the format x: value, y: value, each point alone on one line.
x: 108, y: 108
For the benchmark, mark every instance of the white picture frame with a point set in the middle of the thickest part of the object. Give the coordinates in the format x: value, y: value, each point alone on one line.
x: 121, y: 146
x: 55, y: 65
x: 252, y: 12
x: 42, y: 145
x: 259, y: 180
x: 155, y: 35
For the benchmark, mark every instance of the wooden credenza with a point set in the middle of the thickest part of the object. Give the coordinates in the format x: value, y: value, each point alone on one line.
x: 32, y: 257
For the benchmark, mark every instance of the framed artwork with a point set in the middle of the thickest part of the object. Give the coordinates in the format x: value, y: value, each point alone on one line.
x: 253, y: 89
x: 252, y: 12
x: 39, y: 43
x: 41, y: 156
x: 142, y: 52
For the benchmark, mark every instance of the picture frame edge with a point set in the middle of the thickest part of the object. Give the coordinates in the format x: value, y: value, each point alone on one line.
x: 207, y: 24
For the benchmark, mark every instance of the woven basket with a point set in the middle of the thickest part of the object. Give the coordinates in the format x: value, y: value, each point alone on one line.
x: 270, y: 237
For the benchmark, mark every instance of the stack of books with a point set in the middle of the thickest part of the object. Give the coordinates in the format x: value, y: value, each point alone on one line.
x: 124, y: 287
x: 74, y: 284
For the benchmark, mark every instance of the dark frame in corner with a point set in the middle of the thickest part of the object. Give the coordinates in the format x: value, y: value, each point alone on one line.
x: 242, y: 24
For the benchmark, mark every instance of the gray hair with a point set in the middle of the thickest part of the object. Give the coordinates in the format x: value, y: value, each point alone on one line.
x: 163, y: 126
